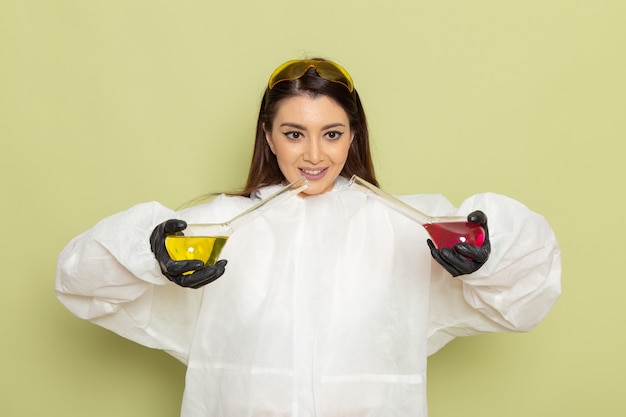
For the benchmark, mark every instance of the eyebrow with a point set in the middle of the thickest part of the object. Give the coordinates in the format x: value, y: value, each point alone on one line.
x: 297, y: 126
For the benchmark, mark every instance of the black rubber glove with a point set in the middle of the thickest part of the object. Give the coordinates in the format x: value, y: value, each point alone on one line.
x: 464, y: 258
x: 174, y: 270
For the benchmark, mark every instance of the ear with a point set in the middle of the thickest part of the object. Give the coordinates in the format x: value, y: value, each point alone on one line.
x: 268, y: 139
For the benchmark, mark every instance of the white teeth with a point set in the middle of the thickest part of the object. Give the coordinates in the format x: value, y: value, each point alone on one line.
x: 312, y: 172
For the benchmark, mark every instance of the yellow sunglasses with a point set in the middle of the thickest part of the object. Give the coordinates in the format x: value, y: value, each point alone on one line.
x: 328, y: 70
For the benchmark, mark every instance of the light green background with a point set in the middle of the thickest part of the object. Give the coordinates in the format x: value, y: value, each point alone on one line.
x: 105, y: 104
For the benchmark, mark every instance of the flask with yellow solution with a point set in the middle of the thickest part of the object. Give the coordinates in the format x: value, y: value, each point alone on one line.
x: 186, y: 248
x: 205, y: 241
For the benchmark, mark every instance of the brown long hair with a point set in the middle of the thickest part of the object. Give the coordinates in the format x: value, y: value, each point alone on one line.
x: 264, y: 168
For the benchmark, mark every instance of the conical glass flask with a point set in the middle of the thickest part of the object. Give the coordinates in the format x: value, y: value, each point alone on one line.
x: 205, y: 241
x: 444, y: 231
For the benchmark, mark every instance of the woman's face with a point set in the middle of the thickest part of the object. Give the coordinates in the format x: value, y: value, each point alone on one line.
x: 310, y: 137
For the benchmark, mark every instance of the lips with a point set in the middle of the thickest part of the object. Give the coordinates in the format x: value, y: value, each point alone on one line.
x: 313, y: 173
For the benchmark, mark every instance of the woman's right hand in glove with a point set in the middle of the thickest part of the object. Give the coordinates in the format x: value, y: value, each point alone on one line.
x: 174, y: 270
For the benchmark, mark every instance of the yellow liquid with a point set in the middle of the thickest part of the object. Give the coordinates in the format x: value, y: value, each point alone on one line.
x: 205, y: 248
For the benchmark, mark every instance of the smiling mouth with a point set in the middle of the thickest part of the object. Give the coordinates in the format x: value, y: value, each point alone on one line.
x: 313, y: 174
x: 312, y: 171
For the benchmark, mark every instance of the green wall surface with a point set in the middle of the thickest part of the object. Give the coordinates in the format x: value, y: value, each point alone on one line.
x: 106, y: 104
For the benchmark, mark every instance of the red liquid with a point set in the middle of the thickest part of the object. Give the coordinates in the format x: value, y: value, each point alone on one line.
x: 446, y: 234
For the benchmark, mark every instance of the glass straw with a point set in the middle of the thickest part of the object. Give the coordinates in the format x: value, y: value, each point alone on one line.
x: 399, y: 205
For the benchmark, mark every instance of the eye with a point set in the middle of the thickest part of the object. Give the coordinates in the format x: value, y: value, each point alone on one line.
x: 294, y: 135
x: 333, y: 135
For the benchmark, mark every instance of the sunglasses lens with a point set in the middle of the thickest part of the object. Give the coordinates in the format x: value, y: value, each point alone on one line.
x: 292, y: 70
x: 333, y: 72
x: 289, y: 71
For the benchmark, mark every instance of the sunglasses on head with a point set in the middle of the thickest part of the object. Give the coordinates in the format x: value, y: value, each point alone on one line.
x: 292, y: 70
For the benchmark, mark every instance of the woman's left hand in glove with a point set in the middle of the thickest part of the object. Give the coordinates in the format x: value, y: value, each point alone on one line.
x: 465, y: 258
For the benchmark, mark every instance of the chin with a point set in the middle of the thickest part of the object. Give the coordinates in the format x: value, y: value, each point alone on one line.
x: 314, y: 190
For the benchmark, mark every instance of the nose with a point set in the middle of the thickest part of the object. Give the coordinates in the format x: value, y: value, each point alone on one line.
x: 314, y: 152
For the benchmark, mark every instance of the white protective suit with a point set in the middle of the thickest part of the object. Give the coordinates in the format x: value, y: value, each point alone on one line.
x: 329, y: 305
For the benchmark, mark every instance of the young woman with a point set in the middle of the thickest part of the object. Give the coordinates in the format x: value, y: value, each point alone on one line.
x: 330, y: 302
